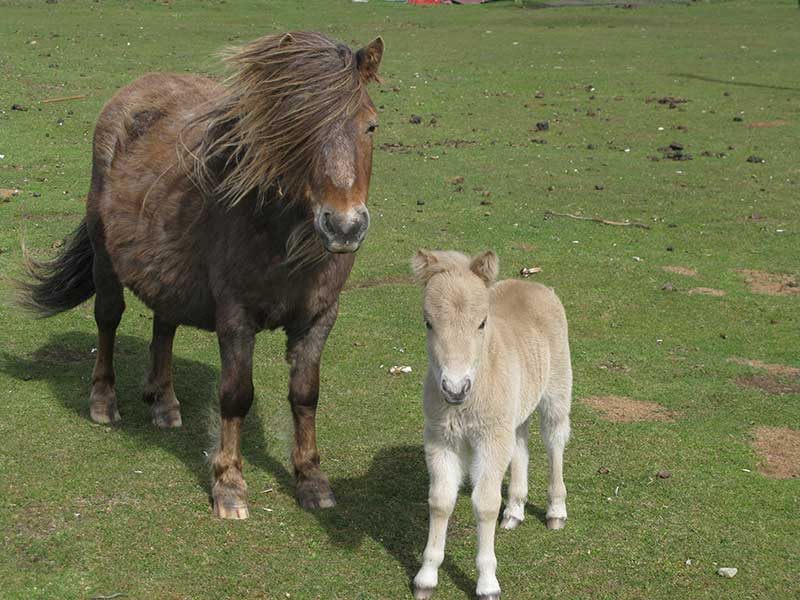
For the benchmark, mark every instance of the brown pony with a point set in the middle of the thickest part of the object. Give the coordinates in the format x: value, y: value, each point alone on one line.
x: 232, y: 208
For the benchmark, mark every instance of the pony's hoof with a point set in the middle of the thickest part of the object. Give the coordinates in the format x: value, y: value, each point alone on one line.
x: 104, y: 410
x: 510, y: 523
x: 556, y: 523
x: 167, y: 418
x: 489, y: 596
x: 164, y: 406
x: 228, y: 508
x: 422, y: 593
x: 313, y: 494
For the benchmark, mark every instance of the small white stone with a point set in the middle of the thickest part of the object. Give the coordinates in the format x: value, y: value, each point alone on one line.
x: 688, y: 562
x: 727, y: 571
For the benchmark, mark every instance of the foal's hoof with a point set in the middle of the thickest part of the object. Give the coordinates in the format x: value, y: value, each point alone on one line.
x: 422, y: 593
x: 231, y: 508
x: 166, y: 418
x: 315, y: 493
x: 489, y: 596
x: 556, y: 523
x: 510, y: 522
x: 104, y: 409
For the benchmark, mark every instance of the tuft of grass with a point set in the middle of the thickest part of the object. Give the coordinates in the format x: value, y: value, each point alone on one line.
x: 90, y: 510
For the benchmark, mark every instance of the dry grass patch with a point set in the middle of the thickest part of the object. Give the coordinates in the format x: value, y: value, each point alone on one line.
x: 619, y: 409
x: 765, y: 124
x: 686, y: 271
x: 782, y: 370
x: 704, y: 291
x: 771, y: 384
x: 770, y: 284
x: 779, y: 449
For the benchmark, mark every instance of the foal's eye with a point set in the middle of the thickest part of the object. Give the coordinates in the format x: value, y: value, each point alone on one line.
x: 372, y: 127
x: 482, y: 325
x: 428, y: 324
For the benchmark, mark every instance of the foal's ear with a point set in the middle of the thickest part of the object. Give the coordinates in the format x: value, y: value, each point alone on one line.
x: 424, y: 266
x: 485, y: 265
x: 368, y: 59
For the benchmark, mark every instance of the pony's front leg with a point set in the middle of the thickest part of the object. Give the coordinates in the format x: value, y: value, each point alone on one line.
x: 491, y: 464
x: 303, y: 353
x: 229, y: 492
x: 444, y: 466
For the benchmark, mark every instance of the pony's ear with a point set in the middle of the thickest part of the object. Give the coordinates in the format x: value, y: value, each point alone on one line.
x: 286, y: 40
x: 485, y: 265
x: 368, y: 59
x: 423, y: 266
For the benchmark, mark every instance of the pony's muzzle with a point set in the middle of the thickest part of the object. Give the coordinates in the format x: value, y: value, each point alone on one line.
x: 456, y: 392
x: 342, y: 231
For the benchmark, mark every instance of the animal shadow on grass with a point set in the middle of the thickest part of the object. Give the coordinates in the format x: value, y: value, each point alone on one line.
x: 388, y: 503
x: 65, y: 363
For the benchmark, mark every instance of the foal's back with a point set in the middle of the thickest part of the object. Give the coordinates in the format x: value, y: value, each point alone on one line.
x: 529, y: 337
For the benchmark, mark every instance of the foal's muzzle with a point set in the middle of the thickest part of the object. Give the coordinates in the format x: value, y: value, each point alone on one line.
x: 456, y: 392
x: 342, y: 231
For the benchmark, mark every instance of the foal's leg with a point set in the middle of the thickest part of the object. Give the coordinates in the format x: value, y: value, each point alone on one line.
x: 303, y: 352
x: 158, y: 392
x: 229, y: 492
x: 109, y: 304
x: 490, y: 466
x: 514, y: 513
x: 554, y: 426
x: 444, y: 467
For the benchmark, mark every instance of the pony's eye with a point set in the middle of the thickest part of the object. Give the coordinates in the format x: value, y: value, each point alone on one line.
x: 428, y: 324
x: 372, y: 127
x: 482, y: 325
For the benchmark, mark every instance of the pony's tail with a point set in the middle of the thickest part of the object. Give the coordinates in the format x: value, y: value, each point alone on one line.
x: 57, y: 285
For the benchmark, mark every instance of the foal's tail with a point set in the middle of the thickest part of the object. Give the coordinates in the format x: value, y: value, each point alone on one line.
x: 57, y: 285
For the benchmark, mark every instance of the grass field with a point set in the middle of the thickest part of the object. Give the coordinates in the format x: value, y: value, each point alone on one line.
x: 88, y: 510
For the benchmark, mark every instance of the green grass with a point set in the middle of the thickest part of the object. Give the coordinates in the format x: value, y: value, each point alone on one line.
x: 87, y: 510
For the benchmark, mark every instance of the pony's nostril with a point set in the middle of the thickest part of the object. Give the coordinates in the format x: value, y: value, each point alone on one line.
x: 467, y: 387
x: 327, y: 224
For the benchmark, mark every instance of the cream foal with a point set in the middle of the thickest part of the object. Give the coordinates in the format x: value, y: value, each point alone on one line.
x: 496, y: 352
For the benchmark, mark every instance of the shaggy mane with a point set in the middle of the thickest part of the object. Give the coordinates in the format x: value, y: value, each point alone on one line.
x: 265, y: 133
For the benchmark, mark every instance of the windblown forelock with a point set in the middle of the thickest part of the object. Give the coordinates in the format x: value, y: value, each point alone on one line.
x: 283, y: 101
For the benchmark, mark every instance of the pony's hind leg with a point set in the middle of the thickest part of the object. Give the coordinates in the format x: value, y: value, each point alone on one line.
x: 554, y: 427
x: 514, y: 513
x: 158, y: 392
x: 109, y: 304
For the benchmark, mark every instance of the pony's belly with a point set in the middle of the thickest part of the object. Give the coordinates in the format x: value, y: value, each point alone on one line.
x: 176, y: 298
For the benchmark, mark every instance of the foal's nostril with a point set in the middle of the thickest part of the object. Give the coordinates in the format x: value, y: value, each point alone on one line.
x: 467, y: 387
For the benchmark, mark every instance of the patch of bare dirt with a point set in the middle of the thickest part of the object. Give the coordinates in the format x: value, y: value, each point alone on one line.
x: 619, y: 409
x: 59, y: 354
x: 704, y: 291
x: 370, y: 283
x: 686, y: 271
x: 770, y: 284
x: 58, y: 216
x: 779, y: 449
x: 771, y: 384
x: 401, y: 148
x: 762, y: 124
x: 526, y: 246
x: 783, y: 370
